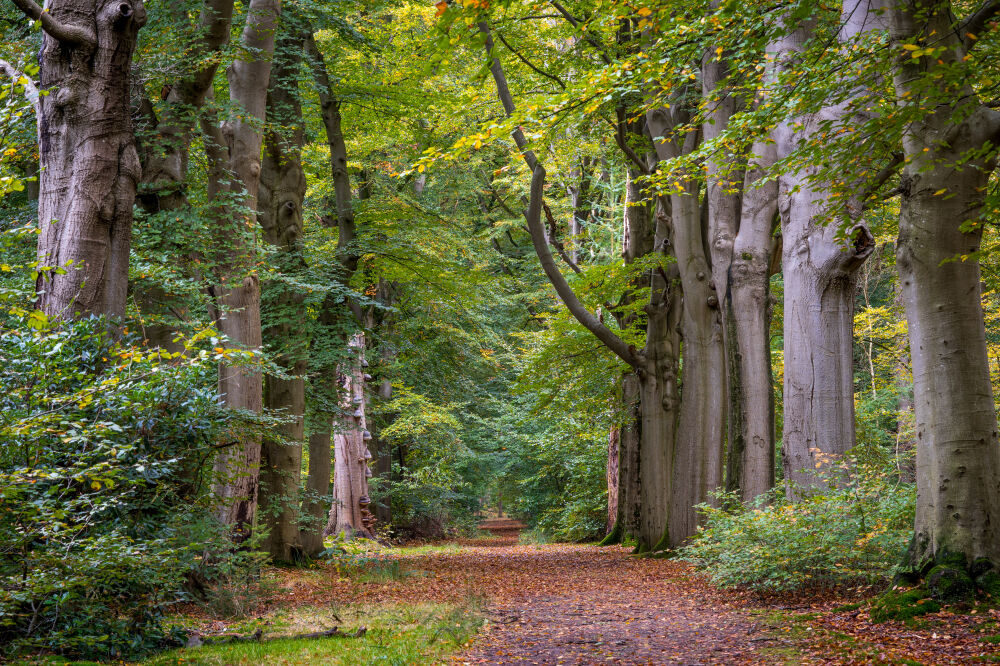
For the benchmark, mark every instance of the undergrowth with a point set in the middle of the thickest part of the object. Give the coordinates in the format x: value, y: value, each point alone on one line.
x: 850, y: 535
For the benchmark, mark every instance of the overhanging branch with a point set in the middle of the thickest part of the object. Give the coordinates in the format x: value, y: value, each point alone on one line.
x: 72, y: 35
x: 565, y: 292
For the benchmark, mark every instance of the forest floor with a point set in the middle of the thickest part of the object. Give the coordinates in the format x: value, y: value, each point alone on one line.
x: 495, y: 601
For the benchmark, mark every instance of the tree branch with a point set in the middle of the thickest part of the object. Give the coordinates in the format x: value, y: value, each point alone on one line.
x: 975, y: 22
x: 73, y: 35
x: 29, y: 85
x: 556, y: 243
x: 503, y: 92
x: 622, y: 141
x: 565, y: 292
x: 537, y: 70
x: 533, y: 216
x: 587, y: 35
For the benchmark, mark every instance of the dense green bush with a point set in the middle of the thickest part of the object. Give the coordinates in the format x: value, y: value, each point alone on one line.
x: 102, y: 497
x: 851, y: 535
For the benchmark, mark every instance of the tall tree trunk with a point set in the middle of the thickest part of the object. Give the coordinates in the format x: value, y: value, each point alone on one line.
x: 940, y: 226
x: 327, y: 386
x: 740, y: 216
x: 751, y: 452
x: 282, y: 190
x: 86, y: 144
x: 611, y: 478
x: 724, y: 180
x: 235, y: 178
x: 627, y: 438
x: 350, y: 514
x: 698, y: 451
x: 638, y: 240
x: 820, y: 271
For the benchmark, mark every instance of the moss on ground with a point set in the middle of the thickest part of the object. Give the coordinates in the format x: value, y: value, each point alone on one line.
x: 903, y: 605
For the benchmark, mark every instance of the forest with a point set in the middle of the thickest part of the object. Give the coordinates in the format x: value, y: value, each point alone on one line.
x: 597, y: 331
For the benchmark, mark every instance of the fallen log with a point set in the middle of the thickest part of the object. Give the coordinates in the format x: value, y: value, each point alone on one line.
x: 197, y: 640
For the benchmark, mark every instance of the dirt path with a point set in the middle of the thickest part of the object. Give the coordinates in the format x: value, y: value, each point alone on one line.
x: 568, y: 604
x: 564, y: 604
x: 573, y: 604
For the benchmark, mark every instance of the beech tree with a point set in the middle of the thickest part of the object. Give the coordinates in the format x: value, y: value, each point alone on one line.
x: 234, y: 148
x: 948, y: 142
x: 280, y: 204
x: 87, y: 154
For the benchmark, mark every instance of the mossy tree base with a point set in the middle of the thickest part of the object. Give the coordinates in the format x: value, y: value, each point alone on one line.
x: 944, y: 580
x: 614, y: 537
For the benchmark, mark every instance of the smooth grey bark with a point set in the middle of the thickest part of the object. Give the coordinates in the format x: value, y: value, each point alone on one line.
x: 751, y: 444
x: 740, y: 215
x: 86, y: 145
x: 697, y: 463
x: 943, y: 184
x: 234, y: 149
x: 280, y: 201
x: 820, y: 271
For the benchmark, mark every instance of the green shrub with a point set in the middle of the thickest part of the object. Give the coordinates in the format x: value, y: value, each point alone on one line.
x: 103, y: 508
x: 852, y: 535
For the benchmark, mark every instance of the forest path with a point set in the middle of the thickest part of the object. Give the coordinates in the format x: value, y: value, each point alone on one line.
x: 572, y: 604
x: 567, y: 604
x: 584, y: 604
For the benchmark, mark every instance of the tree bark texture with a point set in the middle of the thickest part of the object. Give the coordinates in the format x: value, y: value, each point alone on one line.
x: 958, y: 459
x: 697, y: 463
x: 89, y: 164
x: 235, y: 177
x: 611, y: 477
x: 751, y: 444
x: 282, y: 190
x: 350, y: 514
x: 820, y: 272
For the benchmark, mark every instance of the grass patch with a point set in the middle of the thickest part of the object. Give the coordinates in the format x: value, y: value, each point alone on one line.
x: 398, y: 634
x: 428, y: 549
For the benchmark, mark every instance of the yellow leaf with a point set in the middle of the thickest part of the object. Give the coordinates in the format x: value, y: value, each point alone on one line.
x: 718, y: 51
x: 941, y: 191
x: 910, y: 47
x: 95, y: 485
x: 645, y: 11
x: 420, y: 168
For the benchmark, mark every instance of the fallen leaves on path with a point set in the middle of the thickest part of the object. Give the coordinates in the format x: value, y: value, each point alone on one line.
x: 576, y: 604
